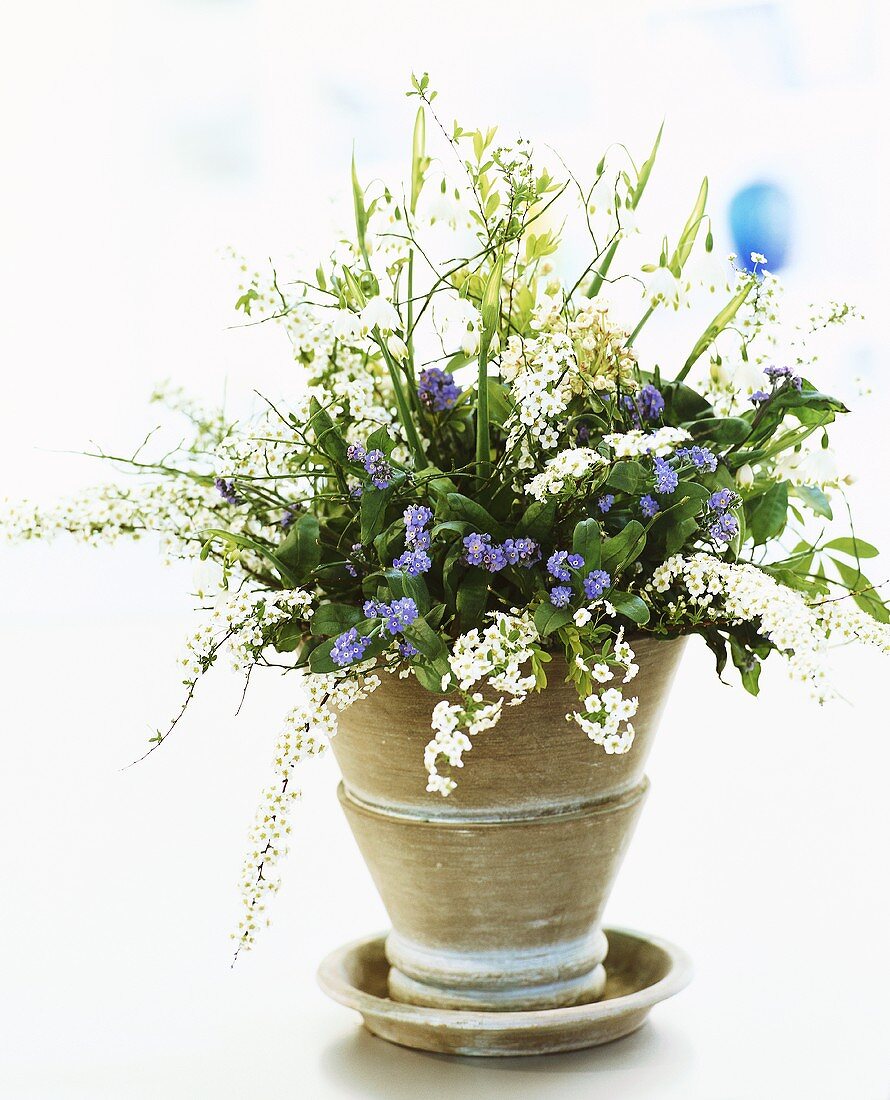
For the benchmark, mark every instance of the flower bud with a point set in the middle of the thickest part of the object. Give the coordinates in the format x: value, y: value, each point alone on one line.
x: 398, y: 349
x: 469, y: 343
x: 744, y: 477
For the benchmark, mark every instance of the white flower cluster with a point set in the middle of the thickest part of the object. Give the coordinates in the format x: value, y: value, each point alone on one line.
x: 604, y: 359
x: 564, y: 470
x: 539, y: 373
x: 308, y: 728
x: 661, y: 442
x: 496, y: 655
x: 239, y: 624
x: 567, y: 359
x: 606, y: 716
x: 734, y: 593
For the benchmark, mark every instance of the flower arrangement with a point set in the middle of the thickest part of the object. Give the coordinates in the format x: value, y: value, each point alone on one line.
x: 479, y: 472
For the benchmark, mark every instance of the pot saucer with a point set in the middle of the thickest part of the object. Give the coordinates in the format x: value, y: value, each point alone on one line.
x: 641, y: 971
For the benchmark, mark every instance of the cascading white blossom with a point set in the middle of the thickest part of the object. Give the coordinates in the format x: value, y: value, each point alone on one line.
x: 238, y: 624
x: 495, y: 655
x: 307, y: 730
x: 606, y: 715
x: 734, y: 593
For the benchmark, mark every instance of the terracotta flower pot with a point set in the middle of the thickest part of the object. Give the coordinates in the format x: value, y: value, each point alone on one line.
x: 496, y: 893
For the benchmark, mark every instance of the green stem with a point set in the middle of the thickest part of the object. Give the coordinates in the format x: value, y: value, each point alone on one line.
x: 483, y: 439
x: 636, y: 332
x: 409, y: 328
x: 414, y: 443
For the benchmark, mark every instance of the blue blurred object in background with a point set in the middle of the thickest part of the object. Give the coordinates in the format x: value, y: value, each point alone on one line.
x: 760, y: 219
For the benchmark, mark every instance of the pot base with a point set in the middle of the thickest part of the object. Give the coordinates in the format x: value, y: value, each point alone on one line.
x: 640, y: 971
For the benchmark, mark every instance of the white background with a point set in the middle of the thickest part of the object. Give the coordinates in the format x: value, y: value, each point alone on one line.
x: 138, y: 139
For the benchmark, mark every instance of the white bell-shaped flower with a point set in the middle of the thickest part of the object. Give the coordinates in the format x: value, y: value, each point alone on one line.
x: 664, y: 288
x: 380, y: 313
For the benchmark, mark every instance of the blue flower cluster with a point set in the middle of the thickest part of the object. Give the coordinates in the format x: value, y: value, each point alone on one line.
x: 779, y: 374
x: 416, y: 518
x: 595, y: 583
x: 562, y: 566
x: 648, y: 404
x: 349, y: 647
x: 561, y: 562
x: 226, y: 490
x: 437, y: 389
x: 700, y: 457
x: 725, y: 525
x: 356, y: 551
x: 415, y: 560
x: 605, y: 502
x: 759, y: 397
x: 396, y: 615
x: 666, y: 477
x: 480, y: 550
x: 649, y: 506
x: 375, y: 463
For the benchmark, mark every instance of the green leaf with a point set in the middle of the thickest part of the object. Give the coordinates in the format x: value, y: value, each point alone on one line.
x: 472, y: 596
x: 714, y: 329
x: 427, y: 675
x: 403, y: 584
x: 722, y: 429
x: 549, y: 618
x: 537, y: 520
x: 361, y: 214
x: 381, y: 440
x: 747, y: 664
x: 427, y: 640
x: 627, y: 476
x: 249, y: 544
x: 677, y: 535
x: 622, y: 549
x: 301, y: 549
x: 290, y: 634
x: 853, y: 547
x: 814, y: 499
x: 491, y: 301
x: 639, y: 188
x: 629, y: 605
x: 690, y: 229
x: 646, y: 170
x: 461, y: 507
x: 373, y: 512
x: 418, y: 157
x: 244, y: 301
x: 587, y: 541
x: 326, y: 435
x: 766, y: 514
x: 862, y: 592
x: 684, y: 403
x: 499, y: 405
x: 334, y: 618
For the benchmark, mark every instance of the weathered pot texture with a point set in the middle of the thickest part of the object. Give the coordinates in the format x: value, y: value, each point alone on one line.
x: 496, y: 893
